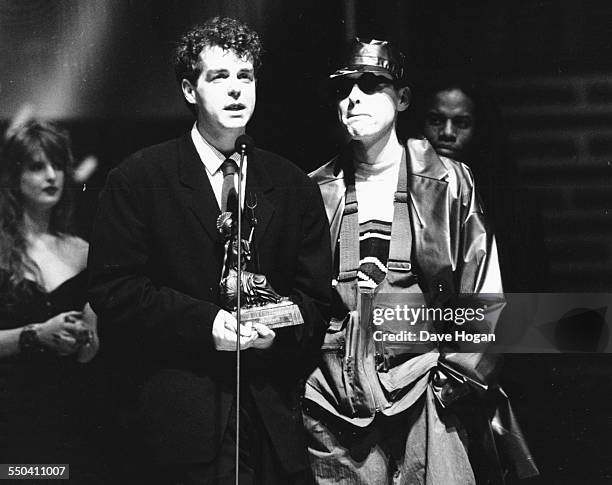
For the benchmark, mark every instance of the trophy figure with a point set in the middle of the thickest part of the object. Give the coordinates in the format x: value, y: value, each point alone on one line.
x: 263, y: 304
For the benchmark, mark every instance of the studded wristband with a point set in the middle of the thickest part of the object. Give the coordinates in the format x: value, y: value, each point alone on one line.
x: 28, y: 340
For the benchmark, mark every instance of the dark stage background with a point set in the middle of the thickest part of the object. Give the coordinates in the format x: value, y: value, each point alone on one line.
x: 101, y: 67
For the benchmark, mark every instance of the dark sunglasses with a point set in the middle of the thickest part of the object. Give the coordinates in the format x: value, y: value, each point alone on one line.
x: 368, y: 83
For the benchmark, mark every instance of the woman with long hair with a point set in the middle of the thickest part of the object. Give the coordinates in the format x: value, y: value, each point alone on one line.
x: 47, y: 329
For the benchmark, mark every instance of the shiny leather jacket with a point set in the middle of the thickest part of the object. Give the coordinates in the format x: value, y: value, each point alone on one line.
x: 453, y: 248
x: 453, y: 251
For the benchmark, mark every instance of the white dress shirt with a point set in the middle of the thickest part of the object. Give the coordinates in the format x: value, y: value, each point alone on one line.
x: 212, y: 160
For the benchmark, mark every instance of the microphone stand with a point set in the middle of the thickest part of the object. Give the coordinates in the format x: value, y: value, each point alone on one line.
x: 243, y: 156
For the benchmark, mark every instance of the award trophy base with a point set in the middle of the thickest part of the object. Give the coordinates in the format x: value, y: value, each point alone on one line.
x: 273, y: 315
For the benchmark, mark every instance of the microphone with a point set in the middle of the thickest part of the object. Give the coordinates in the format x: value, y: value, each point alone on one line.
x: 244, y: 144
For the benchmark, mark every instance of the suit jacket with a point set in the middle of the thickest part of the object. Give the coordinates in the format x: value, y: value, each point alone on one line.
x: 156, y: 260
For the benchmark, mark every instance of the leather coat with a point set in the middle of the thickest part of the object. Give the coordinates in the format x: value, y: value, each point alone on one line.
x: 452, y: 246
x: 452, y: 249
x: 453, y: 253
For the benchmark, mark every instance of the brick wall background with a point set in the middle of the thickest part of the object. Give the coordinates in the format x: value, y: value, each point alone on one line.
x: 560, y: 136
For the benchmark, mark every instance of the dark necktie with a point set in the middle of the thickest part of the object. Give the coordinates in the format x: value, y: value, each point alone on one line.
x: 229, y: 198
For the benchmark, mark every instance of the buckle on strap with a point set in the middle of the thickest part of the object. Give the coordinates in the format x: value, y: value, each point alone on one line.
x: 399, y: 266
x: 401, y: 197
x: 347, y: 276
x: 350, y: 208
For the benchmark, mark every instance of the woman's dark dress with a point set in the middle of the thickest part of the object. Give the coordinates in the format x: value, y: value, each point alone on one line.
x: 43, y: 397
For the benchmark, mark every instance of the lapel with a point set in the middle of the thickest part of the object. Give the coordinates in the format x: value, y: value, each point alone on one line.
x: 192, y: 174
x: 332, y: 185
x: 428, y: 180
x: 429, y: 196
x: 259, y: 188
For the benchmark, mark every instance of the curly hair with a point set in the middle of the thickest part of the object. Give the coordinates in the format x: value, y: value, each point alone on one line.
x: 227, y: 33
x: 33, y: 140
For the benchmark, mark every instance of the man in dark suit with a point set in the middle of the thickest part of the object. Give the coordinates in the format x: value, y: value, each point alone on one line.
x: 156, y: 259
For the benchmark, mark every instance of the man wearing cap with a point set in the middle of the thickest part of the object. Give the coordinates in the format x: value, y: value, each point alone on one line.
x: 156, y: 262
x: 406, y: 230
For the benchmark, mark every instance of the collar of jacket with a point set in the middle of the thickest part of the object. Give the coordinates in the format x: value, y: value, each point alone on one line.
x: 424, y: 162
x: 428, y: 182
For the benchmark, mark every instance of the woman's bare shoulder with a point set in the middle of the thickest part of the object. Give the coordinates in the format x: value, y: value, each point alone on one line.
x: 75, y: 250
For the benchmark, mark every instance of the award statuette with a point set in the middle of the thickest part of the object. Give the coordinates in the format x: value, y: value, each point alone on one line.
x: 263, y: 304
